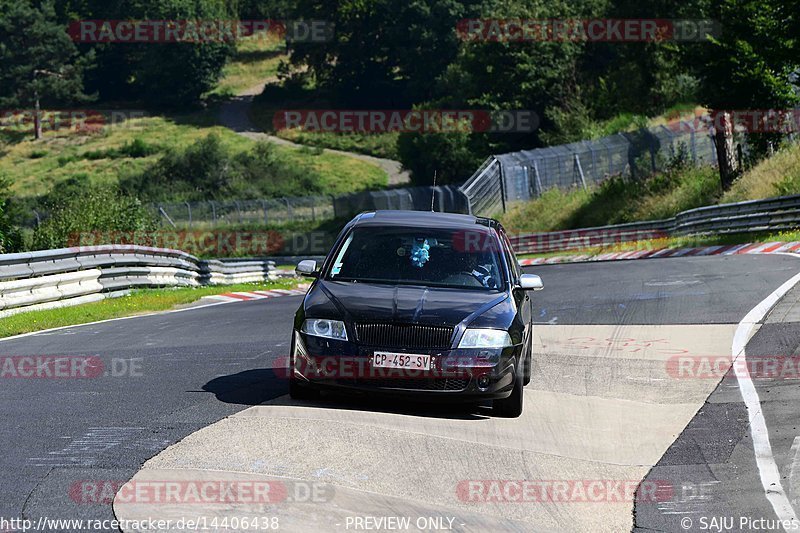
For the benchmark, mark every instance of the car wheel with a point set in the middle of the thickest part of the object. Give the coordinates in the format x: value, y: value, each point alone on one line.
x: 511, y: 407
x: 297, y: 391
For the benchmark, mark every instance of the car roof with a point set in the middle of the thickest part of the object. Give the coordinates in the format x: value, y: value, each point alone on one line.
x: 421, y: 219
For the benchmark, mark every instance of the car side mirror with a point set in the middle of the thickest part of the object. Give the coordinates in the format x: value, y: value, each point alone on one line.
x: 530, y: 282
x: 307, y: 268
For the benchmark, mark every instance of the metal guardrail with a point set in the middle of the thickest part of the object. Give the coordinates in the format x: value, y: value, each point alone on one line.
x: 69, y: 276
x: 773, y: 214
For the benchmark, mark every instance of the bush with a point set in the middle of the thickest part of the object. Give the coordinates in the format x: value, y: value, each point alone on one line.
x: 208, y: 169
x: 10, y: 237
x: 134, y: 149
x: 75, y: 208
x: 451, y: 156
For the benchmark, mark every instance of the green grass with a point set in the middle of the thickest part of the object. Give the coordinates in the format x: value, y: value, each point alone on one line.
x: 616, y: 201
x: 104, y: 158
x: 626, y: 122
x: 257, y: 59
x: 777, y: 176
x: 339, y: 173
x: 661, y: 196
x: 138, y: 302
x: 278, y: 97
x: 382, y: 145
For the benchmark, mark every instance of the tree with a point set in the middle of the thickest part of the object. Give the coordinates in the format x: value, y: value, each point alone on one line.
x: 38, y: 61
x: 749, y: 66
x: 10, y: 237
x: 384, y: 52
x: 174, y: 74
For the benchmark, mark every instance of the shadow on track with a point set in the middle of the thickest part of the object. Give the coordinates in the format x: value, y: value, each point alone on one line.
x: 255, y: 387
x: 251, y: 387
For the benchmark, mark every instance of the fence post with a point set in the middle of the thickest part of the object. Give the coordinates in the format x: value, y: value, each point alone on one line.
x: 238, y: 210
x: 578, y: 169
x: 213, y: 213
x: 165, y: 215
x: 264, y: 208
x: 189, y: 210
x: 289, y: 210
x: 531, y: 187
x: 38, y: 218
x: 537, y: 178
x: 501, y: 174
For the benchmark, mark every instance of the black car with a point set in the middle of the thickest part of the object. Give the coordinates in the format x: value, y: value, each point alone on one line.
x: 417, y: 303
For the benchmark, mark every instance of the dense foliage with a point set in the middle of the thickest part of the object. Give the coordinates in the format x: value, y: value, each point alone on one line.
x: 208, y: 170
x: 79, y: 208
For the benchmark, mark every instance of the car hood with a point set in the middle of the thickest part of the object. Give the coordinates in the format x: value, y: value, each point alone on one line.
x: 376, y: 303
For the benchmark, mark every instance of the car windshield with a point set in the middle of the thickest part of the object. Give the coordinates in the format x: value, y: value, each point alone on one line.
x: 436, y: 258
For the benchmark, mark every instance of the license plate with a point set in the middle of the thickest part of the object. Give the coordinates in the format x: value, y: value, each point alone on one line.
x: 401, y: 360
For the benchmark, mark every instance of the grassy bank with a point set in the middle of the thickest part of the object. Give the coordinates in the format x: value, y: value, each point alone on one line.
x: 617, y: 201
x: 138, y: 302
x: 257, y: 59
x: 106, y: 156
x: 382, y: 145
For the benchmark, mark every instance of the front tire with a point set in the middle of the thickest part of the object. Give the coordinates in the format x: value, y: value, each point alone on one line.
x: 511, y: 407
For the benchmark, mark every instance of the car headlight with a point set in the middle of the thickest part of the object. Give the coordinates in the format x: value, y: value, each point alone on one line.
x: 485, y: 338
x: 330, y: 329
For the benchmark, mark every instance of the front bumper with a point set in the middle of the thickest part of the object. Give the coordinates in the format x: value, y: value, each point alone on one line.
x: 455, y: 374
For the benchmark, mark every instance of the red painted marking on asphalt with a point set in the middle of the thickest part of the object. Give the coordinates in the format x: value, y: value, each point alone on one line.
x: 748, y: 249
x: 725, y: 249
x: 237, y: 296
x: 737, y: 249
x: 771, y: 247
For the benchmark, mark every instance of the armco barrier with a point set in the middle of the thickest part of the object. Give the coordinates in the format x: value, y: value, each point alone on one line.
x: 772, y: 214
x: 55, y: 278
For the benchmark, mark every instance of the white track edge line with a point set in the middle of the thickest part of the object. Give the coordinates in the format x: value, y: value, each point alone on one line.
x: 170, y: 311
x: 765, y: 460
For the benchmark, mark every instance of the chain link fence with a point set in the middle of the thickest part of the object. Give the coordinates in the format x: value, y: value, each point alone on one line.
x: 525, y: 175
x: 246, y: 212
x: 308, y: 208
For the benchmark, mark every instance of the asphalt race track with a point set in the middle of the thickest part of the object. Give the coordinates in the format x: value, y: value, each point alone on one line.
x: 194, y: 395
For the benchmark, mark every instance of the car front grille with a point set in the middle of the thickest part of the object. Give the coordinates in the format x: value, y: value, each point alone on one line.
x: 433, y: 384
x: 411, y: 336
